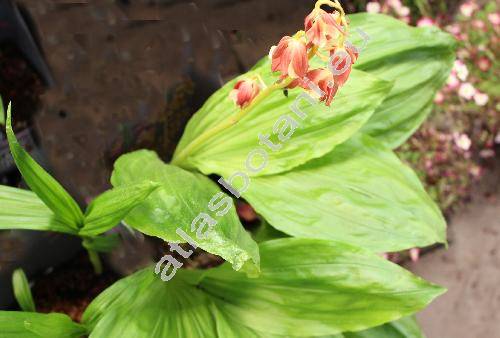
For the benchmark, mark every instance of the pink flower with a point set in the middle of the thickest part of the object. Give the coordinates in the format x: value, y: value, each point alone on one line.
x: 425, y: 22
x: 342, y: 60
x: 466, y: 90
x: 483, y: 63
x: 481, y: 98
x: 460, y: 70
x: 414, y: 254
x: 453, y: 29
x: 462, y: 141
x: 289, y: 57
x: 468, y: 8
x: 439, y: 98
x: 452, y: 81
x: 494, y: 18
x: 395, y: 4
x: 323, y: 29
x: 478, y: 24
x: 403, y: 11
x: 373, y: 7
x: 244, y: 92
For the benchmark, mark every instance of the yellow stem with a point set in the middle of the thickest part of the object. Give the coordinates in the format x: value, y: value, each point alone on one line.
x: 177, y: 160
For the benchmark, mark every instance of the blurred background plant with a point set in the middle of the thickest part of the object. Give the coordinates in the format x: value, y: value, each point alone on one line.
x: 460, y: 141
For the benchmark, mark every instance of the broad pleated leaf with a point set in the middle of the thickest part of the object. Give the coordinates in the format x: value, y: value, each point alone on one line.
x: 180, y: 199
x: 22, y: 209
x: 306, y: 288
x: 109, y: 208
x: 403, y: 328
x: 45, y: 186
x: 322, y: 129
x: 22, y: 291
x: 360, y: 193
x: 418, y: 60
x: 15, y: 324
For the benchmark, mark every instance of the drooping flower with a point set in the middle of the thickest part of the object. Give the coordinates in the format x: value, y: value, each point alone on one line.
x: 342, y: 59
x: 466, y: 90
x: 373, y: 7
x: 290, y: 57
x: 244, y: 92
x: 425, y: 22
x: 321, y: 84
x: 494, y: 18
x: 323, y: 29
x: 481, y: 98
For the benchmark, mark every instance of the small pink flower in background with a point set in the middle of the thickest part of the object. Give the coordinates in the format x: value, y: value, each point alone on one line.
x: 244, y: 92
x: 289, y: 57
x: 487, y: 153
x: 466, y: 90
x: 462, y: 141
x: 494, y: 18
x: 461, y: 70
x: 475, y: 171
x: 373, y: 7
x: 395, y: 4
x: 425, y: 22
x: 478, y: 24
x: 484, y: 63
x: 453, y: 82
x: 497, y: 138
x: 468, y: 8
x: 481, y: 98
x: 403, y: 11
x: 453, y: 29
x: 414, y: 254
x: 439, y: 98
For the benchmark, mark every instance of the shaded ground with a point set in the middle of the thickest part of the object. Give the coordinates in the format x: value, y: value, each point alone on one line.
x: 470, y: 269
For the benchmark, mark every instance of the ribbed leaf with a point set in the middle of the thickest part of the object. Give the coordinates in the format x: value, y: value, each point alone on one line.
x: 109, y: 208
x: 403, y: 328
x: 22, y: 291
x: 418, y: 60
x: 322, y: 129
x: 306, y: 288
x: 22, y: 209
x: 180, y: 199
x: 46, y: 187
x: 360, y: 193
x: 2, y: 113
x: 38, y: 325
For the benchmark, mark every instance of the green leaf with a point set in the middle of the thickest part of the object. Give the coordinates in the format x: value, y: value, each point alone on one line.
x: 22, y: 209
x: 15, y: 324
x: 44, y: 185
x: 322, y: 129
x: 101, y: 243
x: 418, y: 60
x: 306, y: 288
x: 405, y: 327
x: 109, y: 208
x: 2, y: 113
x: 22, y: 291
x: 180, y: 199
x: 360, y: 193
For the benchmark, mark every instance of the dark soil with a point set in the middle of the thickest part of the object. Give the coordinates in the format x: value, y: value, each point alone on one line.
x: 70, y: 287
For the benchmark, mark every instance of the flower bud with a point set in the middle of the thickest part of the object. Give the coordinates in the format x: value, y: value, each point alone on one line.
x: 290, y: 57
x: 244, y: 92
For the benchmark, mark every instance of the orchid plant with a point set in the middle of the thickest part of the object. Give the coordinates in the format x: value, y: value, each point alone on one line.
x: 327, y: 179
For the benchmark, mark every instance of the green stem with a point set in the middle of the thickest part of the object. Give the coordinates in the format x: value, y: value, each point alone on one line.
x: 195, y: 144
x: 95, y: 260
